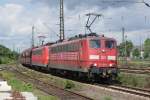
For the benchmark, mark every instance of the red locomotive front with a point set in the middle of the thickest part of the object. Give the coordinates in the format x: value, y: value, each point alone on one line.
x: 102, y: 55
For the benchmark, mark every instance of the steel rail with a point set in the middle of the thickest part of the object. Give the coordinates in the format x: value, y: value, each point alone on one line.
x: 126, y: 89
x: 135, y: 70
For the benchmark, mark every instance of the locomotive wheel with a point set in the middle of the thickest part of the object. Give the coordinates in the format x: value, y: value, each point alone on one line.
x: 91, y: 77
x: 82, y: 76
x: 111, y: 79
x: 48, y: 69
x: 114, y: 78
x: 37, y: 68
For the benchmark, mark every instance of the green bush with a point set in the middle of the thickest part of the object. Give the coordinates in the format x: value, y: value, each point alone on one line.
x: 69, y: 84
x: 1, y: 61
x: 135, y: 81
x: 20, y: 86
x: 41, y: 97
x: 6, y: 55
x: 5, y: 60
x: 132, y: 80
x: 107, y: 98
x: 28, y: 87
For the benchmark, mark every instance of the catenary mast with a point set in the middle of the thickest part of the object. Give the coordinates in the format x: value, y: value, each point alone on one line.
x: 32, y: 36
x: 62, y: 35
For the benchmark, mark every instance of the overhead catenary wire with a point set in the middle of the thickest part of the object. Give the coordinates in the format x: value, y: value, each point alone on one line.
x: 51, y: 29
x: 122, y: 1
x: 126, y: 1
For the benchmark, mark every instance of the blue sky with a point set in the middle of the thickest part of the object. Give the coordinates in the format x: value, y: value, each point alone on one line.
x: 3, y: 2
x: 18, y: 16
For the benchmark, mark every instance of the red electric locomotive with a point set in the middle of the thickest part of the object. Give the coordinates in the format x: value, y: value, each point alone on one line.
x: 92, y: 55
x: 40, y: 56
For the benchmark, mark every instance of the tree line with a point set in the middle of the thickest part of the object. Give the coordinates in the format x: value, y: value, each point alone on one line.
x: 6, y: 55
x: 126, y: 48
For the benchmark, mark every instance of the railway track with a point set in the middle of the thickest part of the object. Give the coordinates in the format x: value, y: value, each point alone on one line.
x: 130, y: 90
x: 136, y: 70
x: 68, y: 95
x: 48, y: 88
x: 147, y: 68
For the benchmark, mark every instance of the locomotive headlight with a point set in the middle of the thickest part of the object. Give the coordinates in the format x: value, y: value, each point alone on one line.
x: 95, y: 64
x: 103, y: 50
x: 110, y: 65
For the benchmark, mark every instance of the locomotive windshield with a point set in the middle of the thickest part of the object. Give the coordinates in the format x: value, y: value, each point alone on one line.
x: 94, y: 43
x: 110, y: 44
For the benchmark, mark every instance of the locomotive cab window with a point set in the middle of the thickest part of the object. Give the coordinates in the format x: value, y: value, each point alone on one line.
x: 110, y: 44
x: 95, y: 44
x: 37, y: 52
